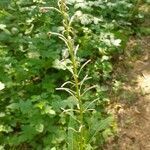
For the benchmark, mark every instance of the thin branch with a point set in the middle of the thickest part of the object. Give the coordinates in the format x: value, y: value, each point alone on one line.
x: 92, y: 87
x: 68, y: 82
x: 91, y: 104
x: 76, y: 49
x: 84, y: 79
x: 83, y: 66
x: 68, y: 110
x: 67, y: 90
x: 49, y: 8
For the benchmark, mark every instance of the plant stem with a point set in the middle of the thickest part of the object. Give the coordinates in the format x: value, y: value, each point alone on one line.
x: 71, y: 48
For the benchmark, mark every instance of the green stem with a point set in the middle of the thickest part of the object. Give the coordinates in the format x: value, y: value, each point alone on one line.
x: 75, y: 76
x: 75, y: 71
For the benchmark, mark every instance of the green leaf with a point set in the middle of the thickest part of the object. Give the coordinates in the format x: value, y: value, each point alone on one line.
x: 28, y: 132
x: 25, y: 106
x: 5, y: 128
x: 98, y: 126
x: 29, y: 30
x: 49, y: 110
x: 2, y: 86
x: 54, y: 148
x: 39, y: 127
x: 71, y: 133
x: 2, y: 26
x: 2, y: 147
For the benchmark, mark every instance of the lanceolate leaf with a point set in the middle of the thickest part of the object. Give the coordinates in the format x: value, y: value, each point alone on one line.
x: 71, y: 133
x: 98, y: 126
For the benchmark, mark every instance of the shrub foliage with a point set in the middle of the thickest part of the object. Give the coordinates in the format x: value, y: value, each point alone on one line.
x: 34, y: 63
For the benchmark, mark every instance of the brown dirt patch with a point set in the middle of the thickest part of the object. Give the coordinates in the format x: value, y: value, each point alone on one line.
x: 133, y: 113
x: 132, y: 103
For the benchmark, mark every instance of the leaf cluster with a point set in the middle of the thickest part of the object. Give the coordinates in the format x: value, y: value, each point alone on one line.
x: 33, y: 64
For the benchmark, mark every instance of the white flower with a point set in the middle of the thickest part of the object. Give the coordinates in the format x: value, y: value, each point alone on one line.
x: 2, y: 86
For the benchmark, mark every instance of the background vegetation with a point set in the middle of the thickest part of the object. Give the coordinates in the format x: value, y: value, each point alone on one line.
x: 33, y: 114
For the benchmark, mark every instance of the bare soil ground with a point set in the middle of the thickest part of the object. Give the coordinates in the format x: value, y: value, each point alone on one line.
x: 133, y: 104
x: 133, y: 100
x: 134, y: 121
